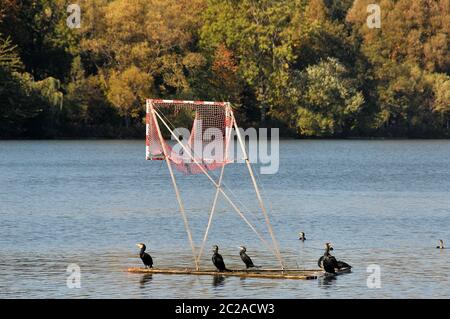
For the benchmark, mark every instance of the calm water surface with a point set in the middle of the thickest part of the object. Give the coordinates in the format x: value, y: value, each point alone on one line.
x: 90, y: 202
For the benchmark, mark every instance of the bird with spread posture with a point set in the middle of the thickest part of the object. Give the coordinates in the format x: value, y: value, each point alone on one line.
x: 301, y: 236
x: 329, y: 262
x: 245, y: 258
x: 146, y: 258
x: 441, y: 244
x: 218, y: 260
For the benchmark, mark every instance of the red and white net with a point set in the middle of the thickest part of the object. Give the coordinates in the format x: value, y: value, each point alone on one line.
x: 209, y: 125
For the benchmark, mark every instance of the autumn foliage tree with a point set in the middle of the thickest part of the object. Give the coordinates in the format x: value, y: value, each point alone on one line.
x: 310, y: 67
x: 410, y: 59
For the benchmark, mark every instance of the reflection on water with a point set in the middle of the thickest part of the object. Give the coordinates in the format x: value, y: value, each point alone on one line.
x: 218, y: 280
x: 382, y: 203
x: 145, y: 280
x: 327, y: 281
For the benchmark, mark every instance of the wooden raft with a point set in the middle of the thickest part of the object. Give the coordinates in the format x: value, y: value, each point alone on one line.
x: 300, y: 274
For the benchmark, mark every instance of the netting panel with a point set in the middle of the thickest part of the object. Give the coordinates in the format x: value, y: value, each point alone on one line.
x: 209, y: 134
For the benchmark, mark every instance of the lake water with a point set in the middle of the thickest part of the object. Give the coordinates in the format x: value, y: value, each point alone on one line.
x: 89, y: 202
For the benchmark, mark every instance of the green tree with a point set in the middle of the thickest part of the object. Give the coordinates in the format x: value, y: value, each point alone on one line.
x: 256, y: 34
x: 87, y: 111
x: 272, y: 40
x: 9, y: 60
x: 38, y: 27
x: 328, y: 100
x: 14, y: 109
x: 25, y: 105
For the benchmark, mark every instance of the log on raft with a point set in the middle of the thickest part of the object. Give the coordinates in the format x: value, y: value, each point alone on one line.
x: 300, y: 274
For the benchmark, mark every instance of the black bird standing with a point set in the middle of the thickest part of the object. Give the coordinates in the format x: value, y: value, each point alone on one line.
x: 340, y: 264
x: 146, y: 258
x: 245, y: 258
x: 328, y: 248
x: 218, y: 260
x: 327, y: 261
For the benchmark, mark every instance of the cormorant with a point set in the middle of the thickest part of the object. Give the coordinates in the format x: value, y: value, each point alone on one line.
x: 329, y: 262
x: 328, y: 248
x: 441, y: 244
x: 302, y: 236
x: 146, y: 258
x: 218, y: 260
x: 245, y: 258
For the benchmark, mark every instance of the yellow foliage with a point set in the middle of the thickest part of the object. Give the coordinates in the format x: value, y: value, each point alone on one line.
x: 128, y: 90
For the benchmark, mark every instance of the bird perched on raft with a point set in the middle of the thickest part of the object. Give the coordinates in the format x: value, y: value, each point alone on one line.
x: 218, y: 260
x: 146, y: 258
x: 246, y: 258
x: 441, y: 244
x: 301, y: 236
x: 329, y: 263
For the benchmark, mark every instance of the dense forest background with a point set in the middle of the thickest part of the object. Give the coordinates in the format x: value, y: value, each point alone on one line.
x: 311, y: 67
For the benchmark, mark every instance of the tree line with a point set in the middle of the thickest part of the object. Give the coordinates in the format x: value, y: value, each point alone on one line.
x: 314, y: 68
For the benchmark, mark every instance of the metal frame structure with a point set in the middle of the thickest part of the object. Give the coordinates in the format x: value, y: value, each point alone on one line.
x: 153, y: 114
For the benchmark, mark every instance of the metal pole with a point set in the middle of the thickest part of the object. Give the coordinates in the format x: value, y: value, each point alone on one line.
x: 147, y: 130
x: 258, y: 194
x: 213, y: 208
x: 175, y: 186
